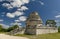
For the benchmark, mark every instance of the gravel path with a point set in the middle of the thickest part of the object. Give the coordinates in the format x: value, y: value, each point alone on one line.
x: 3, y: 36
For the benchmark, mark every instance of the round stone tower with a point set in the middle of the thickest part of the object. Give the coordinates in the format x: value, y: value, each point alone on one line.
x: 33, y: 22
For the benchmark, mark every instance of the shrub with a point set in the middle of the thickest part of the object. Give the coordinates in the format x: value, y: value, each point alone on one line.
x: 59, y: 29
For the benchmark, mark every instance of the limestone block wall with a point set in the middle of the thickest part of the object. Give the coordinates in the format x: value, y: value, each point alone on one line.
x: 17, y: 31
x: 21, y: 32
x: 45, y: 31
x: 36, y: 31
x: 30, y: 31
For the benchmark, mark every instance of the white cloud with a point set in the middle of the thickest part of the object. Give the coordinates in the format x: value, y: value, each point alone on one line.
x: 4, y: 26
x: 25, y: 1
x: 1, y: 20
x: 15, y: 3
x: 42, y: 3
x: 17, y: 13
x: 57, y: 22
x: 13, y: 15
x: 10, y: 15
x: 24, y: 8
x: 17, y: 20
x: 16, y: 23
x: 20, y: 8
x: 8, y: 6
x: 58, y: 16
x: 22, y: 18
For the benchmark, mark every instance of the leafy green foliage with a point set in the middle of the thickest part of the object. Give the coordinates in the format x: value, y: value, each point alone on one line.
x: 59, y: 29
x: 2, y: 29
x: 12, y: 28
x: 9, y: 29
x: 51, y: 23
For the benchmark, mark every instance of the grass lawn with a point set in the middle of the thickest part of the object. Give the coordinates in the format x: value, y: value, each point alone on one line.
x: 3, y: 32
x: 42, y: 36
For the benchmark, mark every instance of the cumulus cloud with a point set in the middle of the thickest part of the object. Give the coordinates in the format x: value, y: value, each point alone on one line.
x: 19, y: 4
x: 16, y: 23
x: 1, y: 20
x: 58, y: 22
x: 24, y: 8
x: 42, y: 3
x: 16, y: 13
x: 22, y: 18
x: 58, y: 16
x: 10, y: 15
x: 25, y: 1
x: 17, y: 20
x: 4, y: 26
x: 15, y: 3
x: 8, y: 6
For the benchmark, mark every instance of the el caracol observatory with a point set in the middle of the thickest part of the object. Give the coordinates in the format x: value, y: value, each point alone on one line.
x: 34, y: 25
x: 33, y: 22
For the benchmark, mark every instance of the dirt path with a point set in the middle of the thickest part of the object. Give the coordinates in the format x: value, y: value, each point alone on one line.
x: 3, y: 36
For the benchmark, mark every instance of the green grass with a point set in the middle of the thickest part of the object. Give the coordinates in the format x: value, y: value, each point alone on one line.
x: 42, y: 36
x: 3, y: 32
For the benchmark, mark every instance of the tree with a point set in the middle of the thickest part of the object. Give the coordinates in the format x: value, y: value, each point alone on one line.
x: 59, y: 29
x: 51, y: 23
x: 0, y: 28
x: 12, y: 28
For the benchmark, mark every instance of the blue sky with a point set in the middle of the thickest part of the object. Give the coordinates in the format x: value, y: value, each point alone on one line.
x: 17, y: 10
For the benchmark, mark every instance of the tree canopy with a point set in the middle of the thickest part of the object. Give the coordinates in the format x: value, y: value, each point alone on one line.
x: 51, y: 23
x: 12, y: 28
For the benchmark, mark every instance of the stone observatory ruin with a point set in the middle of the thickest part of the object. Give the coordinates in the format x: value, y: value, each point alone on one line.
x: 34, y: 26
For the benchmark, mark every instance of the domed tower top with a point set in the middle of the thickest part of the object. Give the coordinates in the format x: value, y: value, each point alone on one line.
x: 34, y: 16
x: 34, y: 19
x: 35, y: 13
x: 33, y: 22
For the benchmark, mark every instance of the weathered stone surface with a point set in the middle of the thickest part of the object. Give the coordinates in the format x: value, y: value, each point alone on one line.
x: 46, y: 30
x: 32, y: 23
x: 17, y: 31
